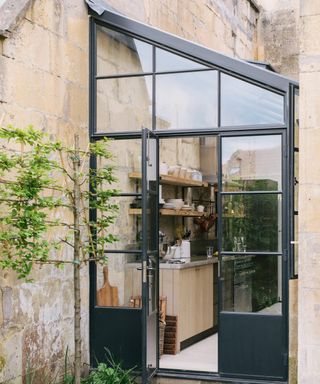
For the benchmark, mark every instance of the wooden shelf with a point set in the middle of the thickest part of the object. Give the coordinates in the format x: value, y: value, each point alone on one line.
x: 169, y: 212
x: 174, y: 212
x: 173, y: 180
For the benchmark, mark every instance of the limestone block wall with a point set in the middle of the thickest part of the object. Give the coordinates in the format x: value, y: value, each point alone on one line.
x: 43, y: 77
x: 309, y: 197
x: 278, y: 35
x: 226, y: 26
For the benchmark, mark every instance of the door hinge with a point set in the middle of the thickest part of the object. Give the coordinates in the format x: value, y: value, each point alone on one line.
x: 285, y: 359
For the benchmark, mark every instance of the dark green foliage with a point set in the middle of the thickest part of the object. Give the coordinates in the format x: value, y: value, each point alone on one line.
x: 31, y: 190
x: 110, y: 373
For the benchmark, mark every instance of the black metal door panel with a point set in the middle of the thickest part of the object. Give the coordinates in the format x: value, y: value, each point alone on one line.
x: 252, y: 345
x: 118, y: 331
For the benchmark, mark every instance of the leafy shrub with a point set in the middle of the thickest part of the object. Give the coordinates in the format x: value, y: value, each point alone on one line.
x: 110, y: 373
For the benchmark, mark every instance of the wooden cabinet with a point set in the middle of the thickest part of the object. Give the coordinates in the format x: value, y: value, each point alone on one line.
x: 190, y: 297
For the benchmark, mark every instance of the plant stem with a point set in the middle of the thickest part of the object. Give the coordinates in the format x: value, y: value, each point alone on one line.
x: 77, y: 262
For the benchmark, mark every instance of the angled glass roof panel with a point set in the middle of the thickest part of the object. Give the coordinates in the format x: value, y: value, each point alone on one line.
x: 167, y: 61
x: 118, y: 53
x: 186, y: 100
x: 243, y: 103
x: 172, y: 42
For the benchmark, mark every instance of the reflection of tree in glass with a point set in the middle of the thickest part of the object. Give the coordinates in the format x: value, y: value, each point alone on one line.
x: 254, y: 217
x: 264, y: 282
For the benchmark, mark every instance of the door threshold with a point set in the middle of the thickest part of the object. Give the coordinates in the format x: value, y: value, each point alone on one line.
x: 212, y: 377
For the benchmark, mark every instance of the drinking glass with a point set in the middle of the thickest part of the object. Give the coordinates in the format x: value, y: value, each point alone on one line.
x: 209, y: 252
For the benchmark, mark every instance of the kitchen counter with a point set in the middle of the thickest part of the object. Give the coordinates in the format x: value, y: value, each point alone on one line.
x: 189, y: 290
x: 194, y: 262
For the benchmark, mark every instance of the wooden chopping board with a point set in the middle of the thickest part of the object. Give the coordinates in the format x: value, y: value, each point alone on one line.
x: 107, y: 296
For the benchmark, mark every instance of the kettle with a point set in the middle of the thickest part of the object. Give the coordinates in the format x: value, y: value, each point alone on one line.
x: 173, y: 252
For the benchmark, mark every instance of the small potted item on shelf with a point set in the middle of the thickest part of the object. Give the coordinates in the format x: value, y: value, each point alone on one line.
x: 174, y: 170
x: 183, y: 172
x: 164, y: 168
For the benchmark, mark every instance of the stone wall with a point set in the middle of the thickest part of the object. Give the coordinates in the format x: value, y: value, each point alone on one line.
x: 227, y: 26
x: 278, y: 35
x: 309, y: 197
x: 43, y: 77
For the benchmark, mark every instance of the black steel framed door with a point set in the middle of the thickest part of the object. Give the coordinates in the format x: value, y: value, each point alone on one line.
x: 124, y: 292
x: 253, y: 275
x: 150, y: 260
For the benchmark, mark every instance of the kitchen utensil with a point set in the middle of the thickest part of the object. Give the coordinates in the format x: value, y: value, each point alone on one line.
x: 107, y: 296
x: 173, y: 252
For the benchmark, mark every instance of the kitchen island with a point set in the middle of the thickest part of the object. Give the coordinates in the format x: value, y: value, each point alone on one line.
x: 190, y: 292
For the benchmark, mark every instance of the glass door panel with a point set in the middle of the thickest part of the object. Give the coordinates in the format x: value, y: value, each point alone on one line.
x: 116, y: 285
x: 252, y: 268
x: 251, y: 283
x: 251, y: 223
x: 251, y: 163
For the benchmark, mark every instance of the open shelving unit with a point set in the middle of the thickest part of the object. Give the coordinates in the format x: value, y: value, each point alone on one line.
x: 169, y: 212
x: 173, y: 180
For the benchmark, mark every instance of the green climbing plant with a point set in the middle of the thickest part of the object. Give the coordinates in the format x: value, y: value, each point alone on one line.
x: 45, y: 204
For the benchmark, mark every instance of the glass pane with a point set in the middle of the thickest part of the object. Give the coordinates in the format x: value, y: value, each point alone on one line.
x: 126, y: 165
x: 118, y: 53
x: 167, y: 61
x: 251, y: 223
x: 251, y: 163
x: 124, y: 104
x: 252, y: 284
x: 119, y: 281
x: 186, y: 100
x: 243, y: 103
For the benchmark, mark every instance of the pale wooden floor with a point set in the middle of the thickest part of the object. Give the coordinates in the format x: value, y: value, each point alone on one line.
x: 202, y: 356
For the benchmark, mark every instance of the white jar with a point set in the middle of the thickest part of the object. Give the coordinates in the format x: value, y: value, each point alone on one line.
x: 164, y: 168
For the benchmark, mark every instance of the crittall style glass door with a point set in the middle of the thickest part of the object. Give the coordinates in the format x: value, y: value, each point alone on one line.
x: 252, y: 256
x: 124, y: 318
x: 150, y: 258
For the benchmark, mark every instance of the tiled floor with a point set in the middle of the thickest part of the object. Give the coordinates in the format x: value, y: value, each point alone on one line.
x: 202, y: 356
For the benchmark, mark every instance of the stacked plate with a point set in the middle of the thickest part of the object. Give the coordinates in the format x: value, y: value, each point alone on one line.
x: 177, y: 203
x: 168, y: 206
x: 186, y: 207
